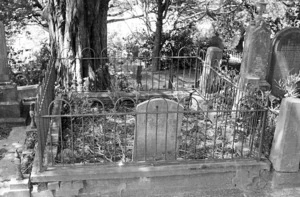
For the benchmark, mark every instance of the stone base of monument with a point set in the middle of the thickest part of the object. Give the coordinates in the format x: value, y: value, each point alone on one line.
x: 285, y: 180
x: 9, y: 106
x: 10, y: 109
x: 8, y: 92
x: 285, y: 152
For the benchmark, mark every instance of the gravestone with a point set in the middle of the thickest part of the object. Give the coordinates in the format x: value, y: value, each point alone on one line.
x: 9, y: 106
x: 285, y: 58
x: 216, y: 41
x: 256, y: 55
x: 157, y: 129
x: 3, y: 56
x: 254, y: 67
x: 207, y: 79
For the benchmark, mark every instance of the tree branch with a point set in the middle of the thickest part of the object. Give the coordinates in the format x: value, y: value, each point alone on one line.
x: 165, y: 8
x: 124, y: 19
x: 118, y: 13
x: 44, y: 26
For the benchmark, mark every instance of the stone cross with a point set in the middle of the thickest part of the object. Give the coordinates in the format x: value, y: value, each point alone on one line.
x: 4, y: 77
x: 157, y: 129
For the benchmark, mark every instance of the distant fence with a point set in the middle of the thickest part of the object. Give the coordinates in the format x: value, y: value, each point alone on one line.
x: 174, y: 71
x: 179, y: 71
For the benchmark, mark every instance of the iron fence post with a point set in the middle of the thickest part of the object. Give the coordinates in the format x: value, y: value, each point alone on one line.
x: 262, y: 133
x: 40, y: 152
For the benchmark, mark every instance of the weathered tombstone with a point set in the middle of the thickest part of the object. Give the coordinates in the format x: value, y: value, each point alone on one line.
x: 256, y: 54
x: 3, y: 56
x: 285, y: 152
x: 212, y: 60
x: 157, y: 129
x: 9, y: 107
x: 254, y: 65
x: 285, y: 58
x: 216, y: 41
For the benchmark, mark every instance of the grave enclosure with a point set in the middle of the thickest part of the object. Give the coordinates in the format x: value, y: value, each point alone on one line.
x: 188, y: 130
x: 166, y: 133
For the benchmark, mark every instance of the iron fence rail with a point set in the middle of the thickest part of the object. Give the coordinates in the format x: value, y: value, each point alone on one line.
x: 95, y: 134
x: 45, y: 95
x: 173, y: 73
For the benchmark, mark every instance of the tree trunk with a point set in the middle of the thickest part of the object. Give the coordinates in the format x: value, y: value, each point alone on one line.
x: 158, y: 37
x: 78, y: 29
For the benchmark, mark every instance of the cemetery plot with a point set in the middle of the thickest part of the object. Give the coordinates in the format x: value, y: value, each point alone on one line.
x: 97, y: 133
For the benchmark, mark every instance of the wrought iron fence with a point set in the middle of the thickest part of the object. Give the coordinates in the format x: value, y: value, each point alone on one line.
x: 211, y: 117
x: 93, y: 132
x: 45, y: 95
x: 270, y: 127
x: 174, y: 71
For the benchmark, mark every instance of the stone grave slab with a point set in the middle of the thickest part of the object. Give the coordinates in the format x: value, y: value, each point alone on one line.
x: 156, y: 134
x: 285, y: 57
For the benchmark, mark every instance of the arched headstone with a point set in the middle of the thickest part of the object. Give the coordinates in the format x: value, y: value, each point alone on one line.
x: 158, y: 126
x: 285, y: 58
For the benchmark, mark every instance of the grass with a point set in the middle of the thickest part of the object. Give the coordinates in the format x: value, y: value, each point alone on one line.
x: 5, y: 130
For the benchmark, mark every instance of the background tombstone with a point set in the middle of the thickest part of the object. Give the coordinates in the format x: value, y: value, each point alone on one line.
x: 212, y: 60
x: 256, y: 54
x: 285, y: 58
x: 254, y: 67
x: 9, y: 106
x: 3, y: 56
x: 156, y: 134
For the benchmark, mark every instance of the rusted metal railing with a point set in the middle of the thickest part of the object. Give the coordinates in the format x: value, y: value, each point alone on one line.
x: 211, y: 118
x: 94, y: 133
x: 45, y: 95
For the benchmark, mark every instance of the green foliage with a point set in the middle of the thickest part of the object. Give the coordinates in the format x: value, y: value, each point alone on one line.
x: 178, y: 39
x: 31, y: 72
x: 43, y: 56
x: 290, y: 85
x: 14, y: 14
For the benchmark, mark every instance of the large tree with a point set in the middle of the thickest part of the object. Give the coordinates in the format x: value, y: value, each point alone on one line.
x: 78, y: 29
x: 162, y: 10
